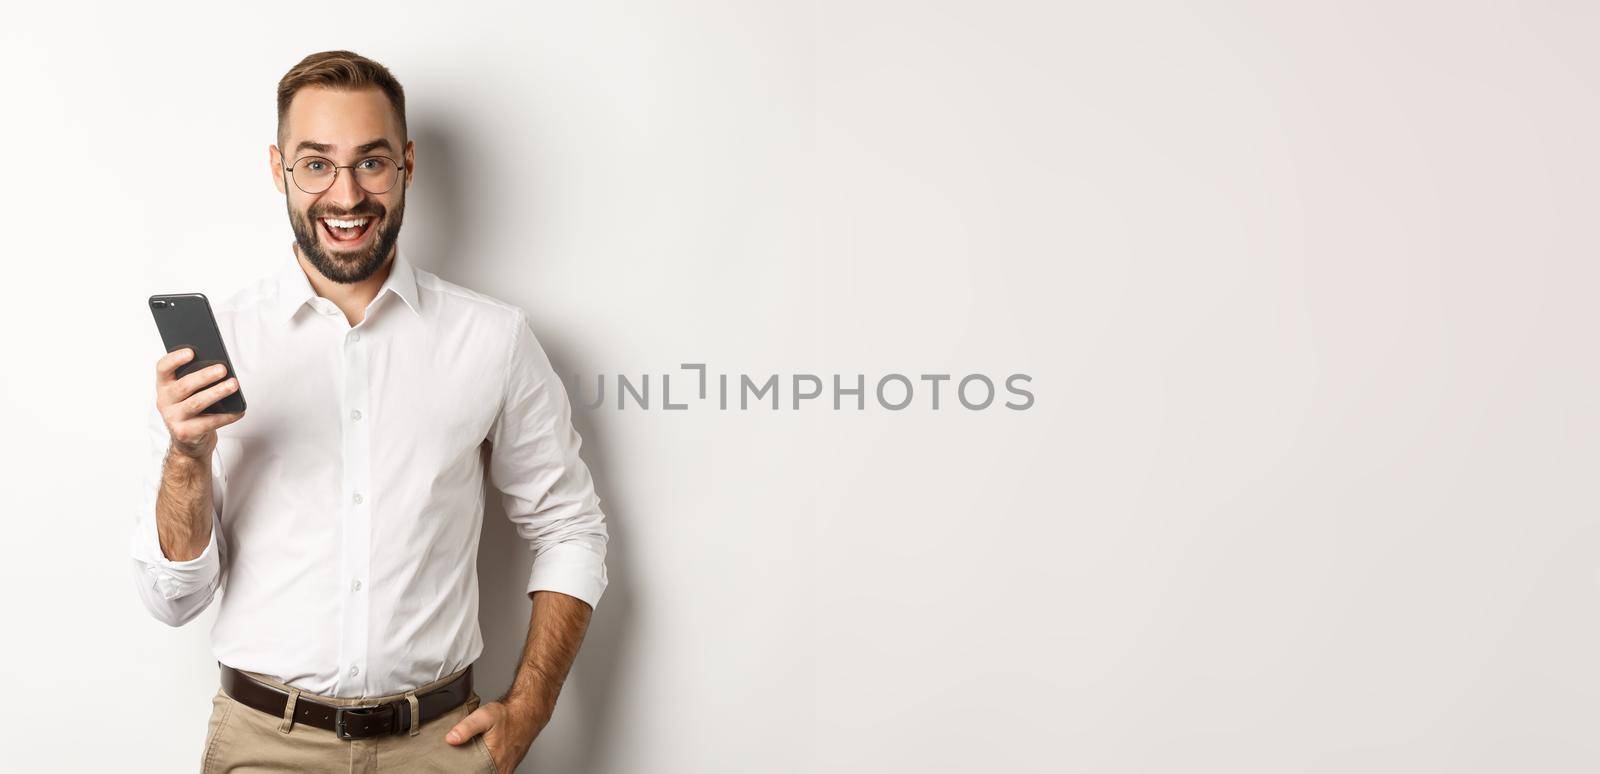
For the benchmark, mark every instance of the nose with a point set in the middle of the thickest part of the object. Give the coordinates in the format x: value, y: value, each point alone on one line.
x: 344, y: 193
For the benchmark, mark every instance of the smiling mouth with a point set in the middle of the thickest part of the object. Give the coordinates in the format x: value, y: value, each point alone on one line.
x: 346, y: 232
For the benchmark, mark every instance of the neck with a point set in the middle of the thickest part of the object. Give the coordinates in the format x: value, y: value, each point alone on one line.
x: 352, y: 299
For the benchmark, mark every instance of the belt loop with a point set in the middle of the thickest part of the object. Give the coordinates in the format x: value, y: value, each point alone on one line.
x: 288, y: 711
x: 416, y: 713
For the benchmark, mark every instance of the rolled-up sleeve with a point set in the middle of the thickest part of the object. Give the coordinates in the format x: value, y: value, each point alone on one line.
x: 545, y: 487
x: 174, y: 592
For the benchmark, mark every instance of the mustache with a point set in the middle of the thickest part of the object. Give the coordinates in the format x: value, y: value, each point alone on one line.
x: 359, y: 212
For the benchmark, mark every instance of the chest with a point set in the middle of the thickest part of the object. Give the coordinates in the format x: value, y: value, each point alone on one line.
x: 403, y: 392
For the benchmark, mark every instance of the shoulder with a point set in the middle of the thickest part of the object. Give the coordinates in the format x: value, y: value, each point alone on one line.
x: 480, y: 312
x: 463, y: 300
x: 499, y: 329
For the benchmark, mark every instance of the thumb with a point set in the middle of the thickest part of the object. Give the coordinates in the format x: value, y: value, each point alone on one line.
x: 479, y: 721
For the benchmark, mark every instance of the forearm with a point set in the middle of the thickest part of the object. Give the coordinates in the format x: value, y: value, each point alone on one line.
x: 184, y: 506
x: 554, y: 635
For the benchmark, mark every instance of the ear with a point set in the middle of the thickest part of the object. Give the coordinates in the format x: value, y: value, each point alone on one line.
x: 275, y: 163
x: 411, y: 161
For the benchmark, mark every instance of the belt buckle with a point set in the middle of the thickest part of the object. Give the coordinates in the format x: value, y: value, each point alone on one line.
x: 340, y: 712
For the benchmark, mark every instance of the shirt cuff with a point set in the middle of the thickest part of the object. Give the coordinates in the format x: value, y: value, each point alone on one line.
x: 571, y: 569
x: 177, y: 579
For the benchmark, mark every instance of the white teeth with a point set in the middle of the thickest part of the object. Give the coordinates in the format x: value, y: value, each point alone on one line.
x: 345, y: 223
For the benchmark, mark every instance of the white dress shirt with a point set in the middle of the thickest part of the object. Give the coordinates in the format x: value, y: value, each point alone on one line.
x: 349, y: 499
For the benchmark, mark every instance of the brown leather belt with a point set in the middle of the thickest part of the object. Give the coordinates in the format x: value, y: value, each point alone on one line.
x: 361, y: 722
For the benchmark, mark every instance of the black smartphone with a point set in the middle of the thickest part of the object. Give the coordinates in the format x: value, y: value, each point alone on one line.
x: 185, y: 320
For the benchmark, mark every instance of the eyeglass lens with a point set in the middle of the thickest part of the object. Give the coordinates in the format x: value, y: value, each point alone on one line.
x: 314, y: 174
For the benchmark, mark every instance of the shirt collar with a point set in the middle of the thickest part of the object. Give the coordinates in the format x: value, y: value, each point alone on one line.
x: 294, y: 288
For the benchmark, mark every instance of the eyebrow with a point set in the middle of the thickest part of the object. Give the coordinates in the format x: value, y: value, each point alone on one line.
x: 320, y: 147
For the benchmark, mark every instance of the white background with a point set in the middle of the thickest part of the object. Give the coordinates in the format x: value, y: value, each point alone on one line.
x: 1307, y: 292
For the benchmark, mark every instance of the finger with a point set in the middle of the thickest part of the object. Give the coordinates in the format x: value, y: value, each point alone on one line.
x: 197, y: 402
x: 479, y: 721
x: 192, y: 383
x: 175, y: 391
x: 170, y: 362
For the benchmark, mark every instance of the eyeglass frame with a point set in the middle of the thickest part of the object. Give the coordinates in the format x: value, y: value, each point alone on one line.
x: 288, y: 173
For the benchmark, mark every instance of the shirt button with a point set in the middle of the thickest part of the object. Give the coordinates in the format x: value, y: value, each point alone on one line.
x: 356, y: 415
x: 354, y: 670
x: 356, y: 585
x: 357, y: 498
x: 355, y: 336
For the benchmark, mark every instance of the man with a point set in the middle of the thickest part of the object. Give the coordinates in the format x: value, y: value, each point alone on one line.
x: 340, y: 514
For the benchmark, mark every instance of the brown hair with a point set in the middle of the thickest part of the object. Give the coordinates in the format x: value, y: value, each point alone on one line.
x: 340, y: 70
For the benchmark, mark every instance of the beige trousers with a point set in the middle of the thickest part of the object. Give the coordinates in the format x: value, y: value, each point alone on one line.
x: 242, y: 739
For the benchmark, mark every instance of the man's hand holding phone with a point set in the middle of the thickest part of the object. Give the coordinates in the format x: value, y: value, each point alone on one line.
x: 180, y: 402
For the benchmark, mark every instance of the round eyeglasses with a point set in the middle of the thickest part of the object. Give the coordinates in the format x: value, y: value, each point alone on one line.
x: 315, y: 174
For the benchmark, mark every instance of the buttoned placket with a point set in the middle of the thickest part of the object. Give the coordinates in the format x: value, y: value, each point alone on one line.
x: 356, y: 517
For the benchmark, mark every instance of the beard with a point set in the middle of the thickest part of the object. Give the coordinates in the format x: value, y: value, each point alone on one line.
x: 348, y: 266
